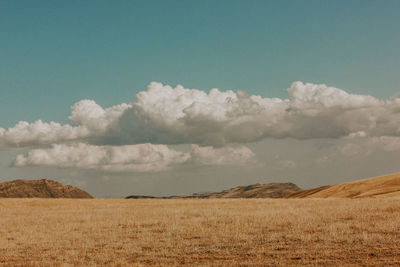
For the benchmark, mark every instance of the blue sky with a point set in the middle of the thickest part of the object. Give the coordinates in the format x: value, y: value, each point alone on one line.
x: 54, y: 53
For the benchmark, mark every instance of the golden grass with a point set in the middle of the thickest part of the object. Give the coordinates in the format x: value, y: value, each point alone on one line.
x: 48, y: 232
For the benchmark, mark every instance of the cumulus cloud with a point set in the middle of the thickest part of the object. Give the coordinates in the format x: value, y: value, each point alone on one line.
x: 141, y: 158
x: 39, y: 132
x: 179, y: 115
x: 88, y: 114
x: 162, y: 114
x: 130, y: 158
x: 88, y: 119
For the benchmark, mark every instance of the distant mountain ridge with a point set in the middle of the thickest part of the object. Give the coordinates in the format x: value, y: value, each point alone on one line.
x: 41, y: 189
x: 271, y: 190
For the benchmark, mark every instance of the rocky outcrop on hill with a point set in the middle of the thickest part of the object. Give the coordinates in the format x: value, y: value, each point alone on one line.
x: 40, y: 189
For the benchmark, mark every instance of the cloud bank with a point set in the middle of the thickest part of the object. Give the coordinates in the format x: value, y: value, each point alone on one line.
x: 135, y: 136
x: 165, y: 115
x: 131, y: 158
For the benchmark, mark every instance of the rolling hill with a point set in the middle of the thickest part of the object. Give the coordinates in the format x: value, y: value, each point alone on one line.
x: 271, y: 190
x: 40, y: 189
x: 381, y: 186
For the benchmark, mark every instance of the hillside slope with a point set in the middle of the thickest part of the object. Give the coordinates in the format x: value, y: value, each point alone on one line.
x: 381, y: 186
x: 40, y: 189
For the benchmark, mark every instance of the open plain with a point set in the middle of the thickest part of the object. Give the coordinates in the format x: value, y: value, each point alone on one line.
x: 53, y: 232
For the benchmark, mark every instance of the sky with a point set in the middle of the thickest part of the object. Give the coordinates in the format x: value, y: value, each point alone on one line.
x: 175, y: 97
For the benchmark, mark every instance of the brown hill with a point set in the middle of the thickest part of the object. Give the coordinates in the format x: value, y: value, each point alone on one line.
x: 40, y: 189
x: 382, y: 186
x: 272, y: 190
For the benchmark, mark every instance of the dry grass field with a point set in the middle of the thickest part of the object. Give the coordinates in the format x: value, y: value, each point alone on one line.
x: 258, y: 232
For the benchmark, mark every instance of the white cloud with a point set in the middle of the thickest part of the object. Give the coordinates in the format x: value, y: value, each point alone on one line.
x: 179, y: 115
x: 130, y: 158
x: 89, y: 121
x: 165, y: 115
x: 36, y: 133
x: 86, y: 113
x: 140, y: 158
x: 308, y: 96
